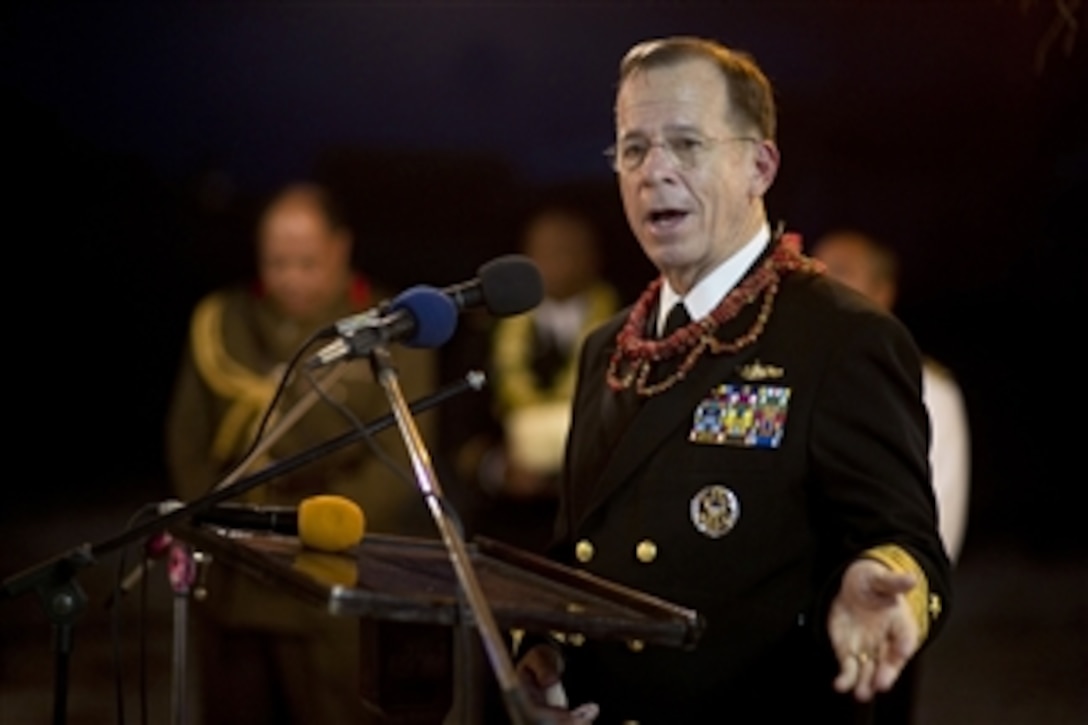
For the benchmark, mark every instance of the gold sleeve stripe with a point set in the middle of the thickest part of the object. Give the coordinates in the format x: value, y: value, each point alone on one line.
x: 250, y: 393
x: 898, y: 560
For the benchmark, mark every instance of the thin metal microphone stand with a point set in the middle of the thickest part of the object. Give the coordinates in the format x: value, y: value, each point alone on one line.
x: 283, y: 425
x: 184, y: 562
x: 182, y: 574
x: 514, y: 697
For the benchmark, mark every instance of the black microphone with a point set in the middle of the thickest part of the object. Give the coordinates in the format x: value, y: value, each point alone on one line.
x: 507, y: 285
x: 327, y: 522
x: 274, y: 519
x: 423, y: 316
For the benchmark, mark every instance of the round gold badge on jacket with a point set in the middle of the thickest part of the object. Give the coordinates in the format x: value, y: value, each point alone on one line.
x: 714, y: 511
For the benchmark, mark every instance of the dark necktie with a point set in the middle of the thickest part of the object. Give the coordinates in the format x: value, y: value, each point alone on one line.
x: 678, y: 317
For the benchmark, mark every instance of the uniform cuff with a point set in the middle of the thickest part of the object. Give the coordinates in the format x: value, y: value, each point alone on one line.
x: 925, y: 606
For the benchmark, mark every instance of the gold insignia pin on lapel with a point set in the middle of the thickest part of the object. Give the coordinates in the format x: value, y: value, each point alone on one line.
x: 759, y: 371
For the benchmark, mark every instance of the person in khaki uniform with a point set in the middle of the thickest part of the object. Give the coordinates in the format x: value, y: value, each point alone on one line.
x: 263, y: 656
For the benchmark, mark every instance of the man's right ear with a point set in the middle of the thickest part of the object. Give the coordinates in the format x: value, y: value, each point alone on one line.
x: 765, y: 168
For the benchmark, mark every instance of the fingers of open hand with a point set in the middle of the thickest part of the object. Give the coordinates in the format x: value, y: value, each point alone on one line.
x: 581, y: 715
x: 871, y: 629
x: 586, y: 713
x: 863, y: 672
x: 866, y: 671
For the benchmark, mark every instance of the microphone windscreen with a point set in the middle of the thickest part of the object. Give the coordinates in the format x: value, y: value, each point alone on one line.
x: 435, y: 315
x: 511, y: 284
x: 330, y: 523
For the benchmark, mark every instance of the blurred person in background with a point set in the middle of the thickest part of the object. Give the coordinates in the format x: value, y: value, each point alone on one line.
x: 533, y: 358
x: 263, y: 656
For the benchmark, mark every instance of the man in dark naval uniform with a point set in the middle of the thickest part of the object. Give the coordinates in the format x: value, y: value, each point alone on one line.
x: 748, y: 439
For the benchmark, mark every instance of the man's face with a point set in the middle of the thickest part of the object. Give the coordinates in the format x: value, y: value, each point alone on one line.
x: 304, y: 265
x: 688, y: 220
x: 563, y: 249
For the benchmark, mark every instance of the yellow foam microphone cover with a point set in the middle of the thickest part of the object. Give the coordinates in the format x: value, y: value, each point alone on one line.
x: 330, y: 523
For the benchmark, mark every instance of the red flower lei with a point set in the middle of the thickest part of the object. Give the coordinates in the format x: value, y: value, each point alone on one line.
x: 636, y: 354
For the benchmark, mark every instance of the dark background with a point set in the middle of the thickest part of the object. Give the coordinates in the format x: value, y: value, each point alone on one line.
x: 141, y: 136
x: 140, y: 139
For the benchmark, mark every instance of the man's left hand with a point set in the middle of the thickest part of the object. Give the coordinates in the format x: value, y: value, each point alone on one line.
x: 872, y: 629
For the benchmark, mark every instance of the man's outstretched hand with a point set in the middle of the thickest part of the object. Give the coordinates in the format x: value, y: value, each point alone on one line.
x: 872, y: 629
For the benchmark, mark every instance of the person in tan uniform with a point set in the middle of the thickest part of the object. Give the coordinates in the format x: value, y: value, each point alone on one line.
x: 263, y: 656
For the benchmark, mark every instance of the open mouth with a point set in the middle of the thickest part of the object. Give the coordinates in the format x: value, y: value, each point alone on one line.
x: 666, y: 218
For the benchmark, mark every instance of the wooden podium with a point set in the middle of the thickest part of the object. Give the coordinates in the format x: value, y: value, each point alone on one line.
x: 405, y: 592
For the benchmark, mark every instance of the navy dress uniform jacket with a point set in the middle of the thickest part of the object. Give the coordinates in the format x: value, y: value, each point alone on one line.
x: 849, y: 472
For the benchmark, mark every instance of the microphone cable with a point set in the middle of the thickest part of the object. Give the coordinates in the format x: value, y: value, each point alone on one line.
x: 379, y: 452
x: 290, y: 369
x: 146, y: 510
x: 293, y: 364
x: 151, y: 509
x: 281, y: 386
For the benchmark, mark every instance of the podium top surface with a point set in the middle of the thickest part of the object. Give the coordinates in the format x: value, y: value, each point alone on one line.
x: 411, y: 579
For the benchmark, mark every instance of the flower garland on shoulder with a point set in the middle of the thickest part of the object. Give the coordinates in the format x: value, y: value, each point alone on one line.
x: 636, y: 354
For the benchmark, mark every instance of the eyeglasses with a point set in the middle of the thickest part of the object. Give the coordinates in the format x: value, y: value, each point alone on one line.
x: 688, y: 150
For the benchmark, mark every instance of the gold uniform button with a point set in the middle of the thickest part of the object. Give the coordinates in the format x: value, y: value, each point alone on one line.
x: 583, y: 551
x: 934, y: 606
x: 646, y: 551
x: 636, y: 645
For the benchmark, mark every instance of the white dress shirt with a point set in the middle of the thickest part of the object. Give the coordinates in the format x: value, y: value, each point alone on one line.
x: 708, y: 292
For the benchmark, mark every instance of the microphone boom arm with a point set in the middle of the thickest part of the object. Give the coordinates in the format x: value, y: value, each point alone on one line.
x: 58, y: 570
